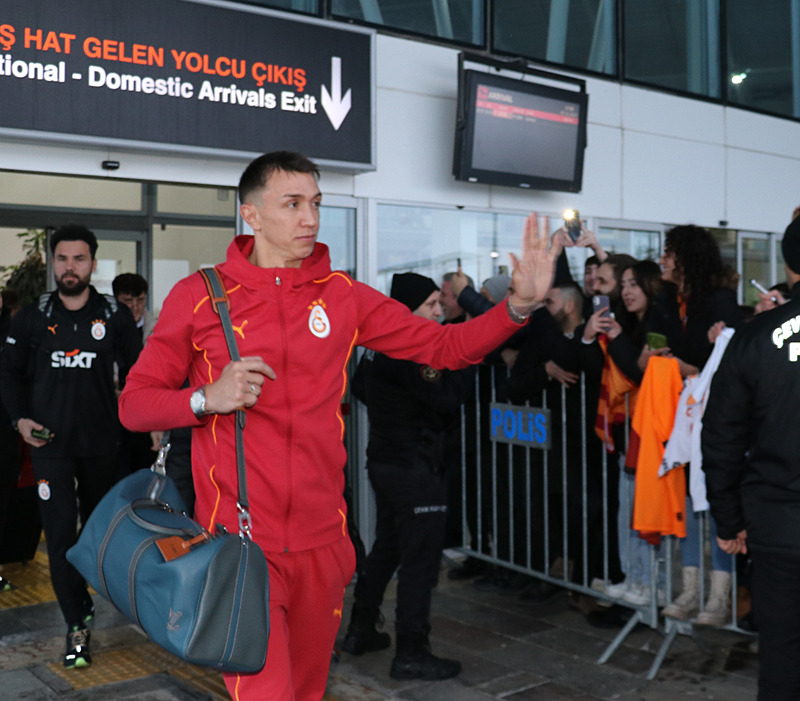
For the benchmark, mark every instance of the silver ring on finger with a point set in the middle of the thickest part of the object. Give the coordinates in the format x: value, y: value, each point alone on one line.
x: 253, y: 387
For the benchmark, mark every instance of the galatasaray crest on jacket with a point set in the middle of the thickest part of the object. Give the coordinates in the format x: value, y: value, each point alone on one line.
x: 318, y: 322
x: 98, y: 330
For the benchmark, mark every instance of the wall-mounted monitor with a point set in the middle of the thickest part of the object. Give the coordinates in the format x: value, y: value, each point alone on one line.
x: 519, y: 133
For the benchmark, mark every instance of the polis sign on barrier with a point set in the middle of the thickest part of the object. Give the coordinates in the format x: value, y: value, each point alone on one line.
x: 519, y: 425
x: 183, y: 75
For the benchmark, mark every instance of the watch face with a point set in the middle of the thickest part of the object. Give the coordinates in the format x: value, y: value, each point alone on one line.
x: 197, y: 402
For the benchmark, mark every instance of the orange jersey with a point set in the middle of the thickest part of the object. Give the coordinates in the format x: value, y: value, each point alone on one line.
x: 659, y: 506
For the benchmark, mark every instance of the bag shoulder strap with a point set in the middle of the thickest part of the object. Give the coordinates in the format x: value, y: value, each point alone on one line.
x: 221, y: 304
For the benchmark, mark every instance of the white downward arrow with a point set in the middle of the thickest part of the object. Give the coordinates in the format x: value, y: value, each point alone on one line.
x: 336, y: 106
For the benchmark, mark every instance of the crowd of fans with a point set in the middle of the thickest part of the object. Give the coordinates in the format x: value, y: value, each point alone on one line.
x: 592, y: 359
x: 622, y: 361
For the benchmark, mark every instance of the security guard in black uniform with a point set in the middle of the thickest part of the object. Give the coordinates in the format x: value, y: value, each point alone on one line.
x: 57, y: 384
x: 409, y: 406
x: 751, y: 457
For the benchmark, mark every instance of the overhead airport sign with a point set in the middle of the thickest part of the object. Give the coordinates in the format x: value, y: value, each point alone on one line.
x: 184, y: 75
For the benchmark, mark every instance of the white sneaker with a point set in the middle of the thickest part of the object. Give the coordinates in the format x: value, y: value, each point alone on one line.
x: 617, y: 591
x: 639, y: 595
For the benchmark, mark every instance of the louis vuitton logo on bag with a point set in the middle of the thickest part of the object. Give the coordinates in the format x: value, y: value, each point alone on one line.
x: 174, y: 617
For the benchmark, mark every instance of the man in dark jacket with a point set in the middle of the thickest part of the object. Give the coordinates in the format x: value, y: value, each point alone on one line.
x: 547, y: 372
x: 58, y: 390
x: 751, y: 448
x: 409, y: 407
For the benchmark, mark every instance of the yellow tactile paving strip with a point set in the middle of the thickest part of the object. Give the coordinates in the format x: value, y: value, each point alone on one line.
x: 200, y: 678
x: 142, y: 659
x: 32, y: 581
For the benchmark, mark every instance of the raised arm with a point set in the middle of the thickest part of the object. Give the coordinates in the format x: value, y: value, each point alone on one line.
x: 532, y: 272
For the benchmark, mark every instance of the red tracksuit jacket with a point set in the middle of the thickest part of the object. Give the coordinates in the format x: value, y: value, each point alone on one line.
x: 304, y: 322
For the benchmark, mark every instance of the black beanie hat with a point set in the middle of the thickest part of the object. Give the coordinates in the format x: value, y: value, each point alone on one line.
x: 790, y: 246
x: 412, y: 289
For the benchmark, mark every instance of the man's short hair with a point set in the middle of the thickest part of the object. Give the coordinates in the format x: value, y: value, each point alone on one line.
x: 257, y: 174
x: 129, y: 284
x: 571, y: 291
x: 74, y: 232
x: 447, y: 277
x: 618, y: 263
x: 591, y: 260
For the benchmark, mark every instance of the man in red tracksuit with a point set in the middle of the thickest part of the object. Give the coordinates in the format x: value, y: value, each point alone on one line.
x: 297, y: 323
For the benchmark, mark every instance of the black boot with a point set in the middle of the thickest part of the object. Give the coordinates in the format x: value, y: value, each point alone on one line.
x: 361, y: 633
x: 414, y: 660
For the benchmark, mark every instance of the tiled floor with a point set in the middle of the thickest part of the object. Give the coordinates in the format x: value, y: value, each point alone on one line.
x: 518, y: 651
x: 509, y: 649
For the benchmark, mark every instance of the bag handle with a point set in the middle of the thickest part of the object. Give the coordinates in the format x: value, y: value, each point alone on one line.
x: 221, y: 304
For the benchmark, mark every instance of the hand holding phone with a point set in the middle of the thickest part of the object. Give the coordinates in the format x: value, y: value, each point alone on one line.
x: 655, y: 341
x: 572, y: 222
x: 601, y: 320
x: 43, y: 434
x: 599, y: 302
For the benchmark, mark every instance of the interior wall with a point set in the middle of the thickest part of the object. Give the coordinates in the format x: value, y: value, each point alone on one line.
x: 651, y: 156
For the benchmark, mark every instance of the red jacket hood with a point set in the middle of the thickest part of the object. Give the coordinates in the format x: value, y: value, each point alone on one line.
x: 239, y: 268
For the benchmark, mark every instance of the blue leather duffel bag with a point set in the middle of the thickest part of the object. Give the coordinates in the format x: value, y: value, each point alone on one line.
x: 203, y: 597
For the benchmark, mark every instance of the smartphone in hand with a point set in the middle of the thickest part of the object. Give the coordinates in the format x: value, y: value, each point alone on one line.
x: 656, y: 340
x: 572, y: 221
x: 43, y: 434
x: 600, y: 301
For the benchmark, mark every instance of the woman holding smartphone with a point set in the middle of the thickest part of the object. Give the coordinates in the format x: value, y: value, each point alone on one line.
x: 692, y: 261
x: 644, y: 320
x: 648, y: 323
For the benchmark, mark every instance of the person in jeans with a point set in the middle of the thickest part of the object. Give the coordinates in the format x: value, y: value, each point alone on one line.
x: 693, y: 263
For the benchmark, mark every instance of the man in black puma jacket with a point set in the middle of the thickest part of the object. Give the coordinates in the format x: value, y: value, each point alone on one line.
x: 57, y: 373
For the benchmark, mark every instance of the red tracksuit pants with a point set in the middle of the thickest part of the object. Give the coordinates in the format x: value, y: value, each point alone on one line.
x: 306, y: 591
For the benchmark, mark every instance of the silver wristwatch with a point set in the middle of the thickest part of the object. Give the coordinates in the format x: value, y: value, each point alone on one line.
x: 197, y: 402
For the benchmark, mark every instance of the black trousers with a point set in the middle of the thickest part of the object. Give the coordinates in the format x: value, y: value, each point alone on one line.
x: 409, y: 534
x: 776, y: 605
x: 60, y: 502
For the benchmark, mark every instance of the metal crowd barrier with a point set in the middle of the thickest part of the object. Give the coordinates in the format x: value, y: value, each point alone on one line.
x: 519, y: 477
